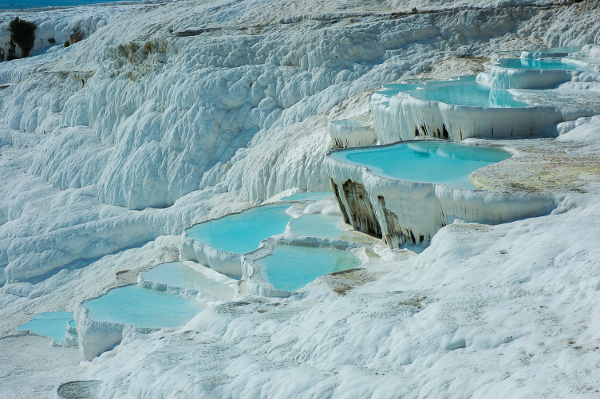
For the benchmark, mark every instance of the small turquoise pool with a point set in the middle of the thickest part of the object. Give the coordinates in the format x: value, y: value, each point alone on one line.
x: 142, y: 308
x: 309, y: 196
x: 425, y: 161
x: 242, y: 232
x: 317, y: 225
x: 180, y: 275
x: 526, y: 63
x: 291, y: 267
x: 50, y: 324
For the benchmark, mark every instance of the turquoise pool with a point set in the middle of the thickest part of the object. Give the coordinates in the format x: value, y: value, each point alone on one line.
x: 50, y: 324
x: 425, y: 161
x: 317, y: 225
x: 177, y: 274
x: 290, y: 267
x: 241, y: 233
x: 142, y: 308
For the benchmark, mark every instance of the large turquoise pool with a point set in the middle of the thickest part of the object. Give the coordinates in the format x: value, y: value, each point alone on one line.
x: 291, y: 267
x: 241, y: 233
x: 142, y: 308
x: 425, y: 161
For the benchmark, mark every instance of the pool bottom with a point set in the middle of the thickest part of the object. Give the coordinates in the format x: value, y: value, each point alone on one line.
x: 180, y: 275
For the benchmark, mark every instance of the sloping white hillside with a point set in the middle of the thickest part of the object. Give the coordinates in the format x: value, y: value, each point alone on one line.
x: 173, y: 113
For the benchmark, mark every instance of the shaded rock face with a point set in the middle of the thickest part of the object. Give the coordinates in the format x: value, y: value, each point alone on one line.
x: 373, y: 218
x: 76, y: 36
x: 393, y: 234
x: 358, y: 208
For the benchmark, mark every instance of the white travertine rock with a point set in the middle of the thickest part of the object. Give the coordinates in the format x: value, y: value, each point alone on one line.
x: 351, y: 133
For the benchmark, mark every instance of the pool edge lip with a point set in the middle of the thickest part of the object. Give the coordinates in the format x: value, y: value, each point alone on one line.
x: 255, y: 281
x: 181, y: 291
x: 475, y: 107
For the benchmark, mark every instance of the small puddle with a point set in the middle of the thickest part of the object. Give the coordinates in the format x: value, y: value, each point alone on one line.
x: 49, y: 324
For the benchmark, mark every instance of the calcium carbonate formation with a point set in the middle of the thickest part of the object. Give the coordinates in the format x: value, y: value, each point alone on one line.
x: 161, y: 149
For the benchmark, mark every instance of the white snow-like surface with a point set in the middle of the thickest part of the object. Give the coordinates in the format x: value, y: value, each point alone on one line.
x: 175, y: 113
x: 351, y: 133
x: 59, y: 23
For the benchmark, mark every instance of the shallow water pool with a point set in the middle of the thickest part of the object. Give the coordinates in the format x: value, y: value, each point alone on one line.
x: 177, y: 274
x: 425, y: 161
x: 142, y: 308
x: 317, y: 225
x: 526, y: 63
x: 291, y: 267
x: 49, y: 324
x: 242, y: 232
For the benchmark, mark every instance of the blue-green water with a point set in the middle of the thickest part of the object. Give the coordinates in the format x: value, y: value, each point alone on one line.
x: 463, y: 91
x: 242, y: 232
x: 291, y: 267
x: 142, y: 307
x: 180, y: 275
x: 425, y: 161
x: 467, y: 93
x: 24, y: 4
x: 50, y: 324
x: 317, y: 225
x: 308, y: 196
x: 526, y: 63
